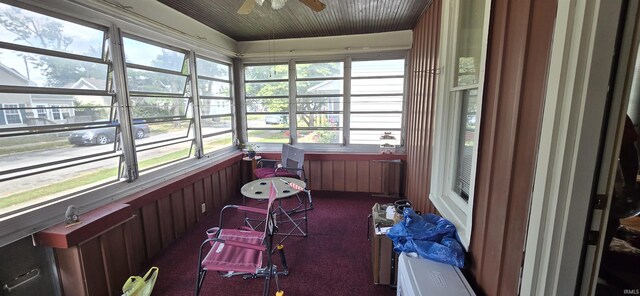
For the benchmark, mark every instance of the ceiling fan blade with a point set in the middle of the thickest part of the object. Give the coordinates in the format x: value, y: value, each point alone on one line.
x: 247, y: 7
x: 316, y: 5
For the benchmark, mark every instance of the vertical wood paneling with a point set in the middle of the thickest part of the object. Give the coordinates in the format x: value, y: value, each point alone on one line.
x: 167, y: 232
x: 100, y: 265
x: 315, y: 172
x: 94, y: 269
x: 198, y: 191
x: 237, y: 179
x: 216, y: 191
x: 151, y: 226
x: 70, y: 269
x: 338, y: 177
x: 189, y: 206
x: 224, y: 188
x: 179, y: 220
x: 327, y: 175
x: 135, y: 243
x: 351, y: 175
x: 517, y: 63
x: 363, y: 176
x: 113, y: 252
x: 511, y: 117
x: 375, y: 177
x: 230, y: 184
x: 208, y: 194
x: 395, y: 177
x: 422, y: 92
x: 307, y: 173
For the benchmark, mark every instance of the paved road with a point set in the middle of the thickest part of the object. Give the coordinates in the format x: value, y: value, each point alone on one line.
x: 25, y: 159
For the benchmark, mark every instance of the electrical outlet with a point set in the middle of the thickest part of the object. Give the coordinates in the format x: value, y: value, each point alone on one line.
x: 204, y: 208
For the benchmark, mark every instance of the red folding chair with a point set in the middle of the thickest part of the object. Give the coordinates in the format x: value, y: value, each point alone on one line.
x: 241, y: 251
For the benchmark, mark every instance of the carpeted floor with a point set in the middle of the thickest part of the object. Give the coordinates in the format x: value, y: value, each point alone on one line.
x: 335, y: 259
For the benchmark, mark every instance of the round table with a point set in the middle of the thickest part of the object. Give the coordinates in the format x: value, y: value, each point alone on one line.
x: 259, y: 189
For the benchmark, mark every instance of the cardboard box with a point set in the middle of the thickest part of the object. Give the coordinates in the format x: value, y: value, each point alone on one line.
x: 384, y: 261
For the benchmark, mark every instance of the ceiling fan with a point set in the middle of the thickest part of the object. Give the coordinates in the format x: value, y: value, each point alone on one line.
x: 248, y: 5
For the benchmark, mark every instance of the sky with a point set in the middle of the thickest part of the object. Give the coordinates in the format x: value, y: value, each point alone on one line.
x: 84, y: 40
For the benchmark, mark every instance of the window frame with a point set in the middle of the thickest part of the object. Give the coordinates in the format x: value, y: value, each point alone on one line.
x: 294, y: 101
x: 245, y: 97
x: 36, y: 215
x: 403, y: 94
x: 230, y: 99
x: 345, y: 146
x: 14, y: 109
x: 447, y: 122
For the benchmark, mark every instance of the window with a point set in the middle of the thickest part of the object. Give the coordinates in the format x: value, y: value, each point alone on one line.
x: 161, y: 102
x: 319, y: 102
x: 458, y: 112
x: 42, y: 111
x: 40, y: 52
x: 267, y: 103
x: 216, y: 107
x: 377, y: 95
x: 59, y: 112
x: 12, y: 114
x: 55, y: 111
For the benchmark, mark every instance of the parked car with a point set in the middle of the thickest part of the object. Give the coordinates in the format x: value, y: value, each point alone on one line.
x: 105, y: 135
x: 274, y: 119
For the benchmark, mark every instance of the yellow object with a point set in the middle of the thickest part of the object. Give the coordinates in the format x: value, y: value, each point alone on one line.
x: 280, y: 247
x: 141, y: 286
x: 280, y: 293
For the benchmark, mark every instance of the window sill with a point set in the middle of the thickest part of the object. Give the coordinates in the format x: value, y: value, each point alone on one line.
x: 445, y: 210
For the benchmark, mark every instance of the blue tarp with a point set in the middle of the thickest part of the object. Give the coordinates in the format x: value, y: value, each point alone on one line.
x: 431, y: 236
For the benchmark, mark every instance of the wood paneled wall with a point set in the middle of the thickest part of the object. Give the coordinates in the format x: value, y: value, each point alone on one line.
x: 173, y: 212
x: 423, y: 76
x: 516, y: 71
x: 102, y: 256
x: 517, y: 68
x: 372, y: 173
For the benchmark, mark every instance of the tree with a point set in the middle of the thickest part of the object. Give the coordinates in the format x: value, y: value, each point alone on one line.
x: 47, y: 33
x: 308, y: 105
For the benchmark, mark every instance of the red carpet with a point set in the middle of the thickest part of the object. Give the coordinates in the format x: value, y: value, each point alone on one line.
x: 335, y: 259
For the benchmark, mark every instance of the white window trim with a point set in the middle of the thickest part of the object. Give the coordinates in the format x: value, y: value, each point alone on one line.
x: 6, y: 119
x: 447, y: 114
x: 46, y: 111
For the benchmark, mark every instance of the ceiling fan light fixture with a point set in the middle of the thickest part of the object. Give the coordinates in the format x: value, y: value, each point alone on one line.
x: 277, y: 4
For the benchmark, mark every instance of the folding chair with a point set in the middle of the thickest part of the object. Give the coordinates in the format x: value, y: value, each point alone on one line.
x: 241, y: 251
x: 291, y: 164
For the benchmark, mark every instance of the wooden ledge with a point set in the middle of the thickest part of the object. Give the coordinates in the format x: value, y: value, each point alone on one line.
x: 93, y: 223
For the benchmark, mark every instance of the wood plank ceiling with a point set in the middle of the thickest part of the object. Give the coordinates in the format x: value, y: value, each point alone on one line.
x: 295, y: 20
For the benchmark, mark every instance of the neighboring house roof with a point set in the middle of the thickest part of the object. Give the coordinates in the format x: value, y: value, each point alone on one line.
x: 16, y: 74
x: 369, y: 85
x: 87, y: 83
x: 333, y: 86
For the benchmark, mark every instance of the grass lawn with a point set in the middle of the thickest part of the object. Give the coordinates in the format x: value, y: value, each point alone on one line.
x: 5, y: 150
x: 95, y: 177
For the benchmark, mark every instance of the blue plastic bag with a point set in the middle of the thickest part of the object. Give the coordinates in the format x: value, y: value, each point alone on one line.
x: 431, y: 236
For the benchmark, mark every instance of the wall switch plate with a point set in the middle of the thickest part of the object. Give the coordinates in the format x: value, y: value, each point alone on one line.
x: 204, y: 208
